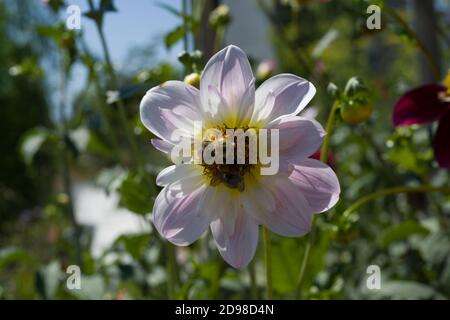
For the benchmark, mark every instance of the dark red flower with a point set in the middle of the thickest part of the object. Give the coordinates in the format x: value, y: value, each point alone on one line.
x: 331, y: 161
x: 426, y: 104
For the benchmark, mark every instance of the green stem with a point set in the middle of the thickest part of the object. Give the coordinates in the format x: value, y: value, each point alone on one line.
x: 102, y: 106
x: 172, y: 275
x: 184, y: 10
x: 268, y: 261
x: 253, y: 285
x: 391, y: 191
x: 65, y: 159
x: 311, y: 236
x: 115, y: 82
x: 328, y: 130
x: 415, y: 36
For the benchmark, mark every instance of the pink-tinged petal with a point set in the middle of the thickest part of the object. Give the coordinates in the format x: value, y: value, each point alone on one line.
x: 317, y: 182
x: 220, y: 202
x: 170, y: 106
x: 420, y: 105
x: 442, y: 142
x: 230, y: 73
x: 299, y: 137
x: 175, y: 173
x: 280, y: 206
x: 162, y: 145
x: 237, y: 248
x: 281, y: 95
x: 180, y: 219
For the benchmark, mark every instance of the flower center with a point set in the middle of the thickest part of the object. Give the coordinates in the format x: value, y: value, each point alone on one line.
x: 234, y: 155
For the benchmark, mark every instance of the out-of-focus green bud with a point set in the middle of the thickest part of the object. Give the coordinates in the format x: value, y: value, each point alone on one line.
x: 193, y: 79
x: 356, y: 106
x: 62, y: 198
x: 220, y: 16
x: 265, y: 70
x: 184, y: 57
x: 356, y: 111
x: 196, y: 56
x: 333, y: 90
x: 192, y: 61
x: 355, y: 87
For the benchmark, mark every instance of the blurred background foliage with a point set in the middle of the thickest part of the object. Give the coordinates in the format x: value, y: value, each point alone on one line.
x: 77, y: 168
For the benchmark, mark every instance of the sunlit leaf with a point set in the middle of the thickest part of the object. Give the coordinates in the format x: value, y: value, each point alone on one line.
x: 47, y: 279
x: 32, y: 142
x: 11, y: 255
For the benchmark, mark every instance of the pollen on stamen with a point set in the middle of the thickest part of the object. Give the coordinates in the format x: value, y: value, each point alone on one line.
x: 230, y: 174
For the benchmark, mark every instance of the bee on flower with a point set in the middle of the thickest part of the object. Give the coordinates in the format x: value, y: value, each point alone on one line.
x: 233, y: 195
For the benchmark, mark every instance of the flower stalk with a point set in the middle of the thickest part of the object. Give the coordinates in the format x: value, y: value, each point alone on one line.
x: 65, y: 157
x: 323, y: 158
x: 268, y: 261
x: 115, y: 82
x: 392, y: 191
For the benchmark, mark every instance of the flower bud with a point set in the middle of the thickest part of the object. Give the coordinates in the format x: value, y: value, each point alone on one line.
x: 265, y: 70
x: 193, y: 79
x: 356, y: 111
x: 354, y: 87
x: 333, y: 90
x: 356, y: 107
x: 220, y: 16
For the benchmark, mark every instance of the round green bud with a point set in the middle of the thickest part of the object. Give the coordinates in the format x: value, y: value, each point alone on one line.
x: 220, y: 16
x: 356, y: 111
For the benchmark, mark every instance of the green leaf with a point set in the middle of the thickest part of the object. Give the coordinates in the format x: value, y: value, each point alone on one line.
x: 32, y: 142
x: 436, y: 248
x: 98, y: 14
x: 135, y: 244
x: 169, y: 8
x: 286, y: 260
x: 110, y: 179
x: 406, y: 158
x: 84, y: 140
x: 136, y: 194
x: 403, y: 231
x: 403, y: 290
x: 174, y: 36
x: 47, y: 279
x: 92, y: 288
x: 10, y: 255
x: 107, y: 5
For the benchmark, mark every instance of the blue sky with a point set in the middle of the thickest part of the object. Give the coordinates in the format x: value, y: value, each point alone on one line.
x: 137, y: 22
